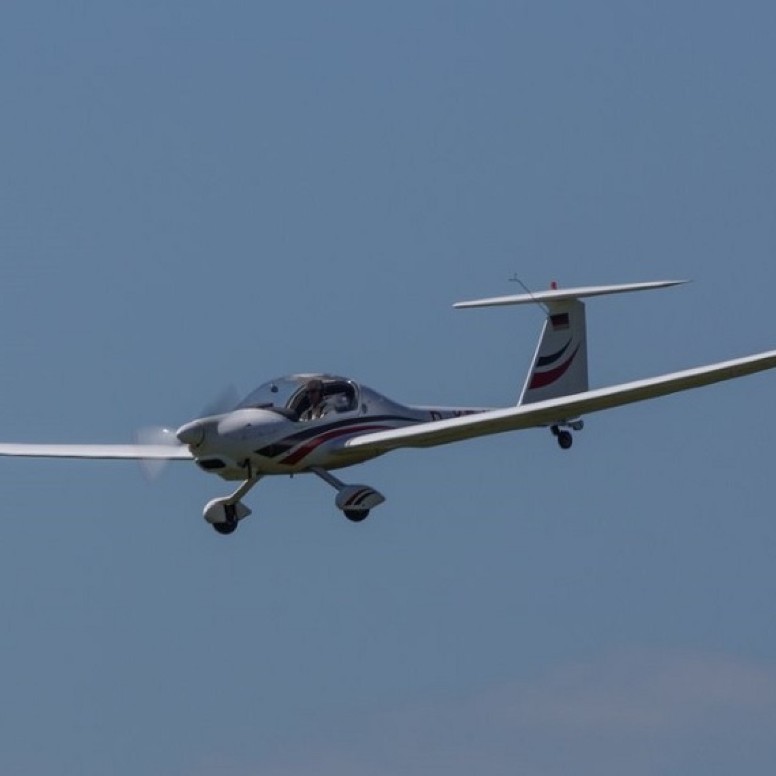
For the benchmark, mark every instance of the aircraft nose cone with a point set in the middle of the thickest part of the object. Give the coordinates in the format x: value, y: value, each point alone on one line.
x: 191, y: 434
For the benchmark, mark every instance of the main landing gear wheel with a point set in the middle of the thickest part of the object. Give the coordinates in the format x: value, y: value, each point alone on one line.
x: 355, y: 501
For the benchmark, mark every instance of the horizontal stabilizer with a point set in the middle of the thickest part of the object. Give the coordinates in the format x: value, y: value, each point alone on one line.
x: 563, y: 294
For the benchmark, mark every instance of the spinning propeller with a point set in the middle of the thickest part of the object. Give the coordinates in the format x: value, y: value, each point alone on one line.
x: 225, y: 401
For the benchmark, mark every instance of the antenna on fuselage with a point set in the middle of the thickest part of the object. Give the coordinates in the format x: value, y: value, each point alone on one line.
x: 516, y: 279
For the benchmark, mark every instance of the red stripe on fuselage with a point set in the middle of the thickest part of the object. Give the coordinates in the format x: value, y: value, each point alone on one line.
x: 311, y: 444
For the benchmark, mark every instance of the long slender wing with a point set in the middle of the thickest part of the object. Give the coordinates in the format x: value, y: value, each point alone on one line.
x: 564, y: 408
x: 130, y: 452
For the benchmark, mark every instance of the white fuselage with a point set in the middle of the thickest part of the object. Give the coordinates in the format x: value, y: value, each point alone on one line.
x: 253, y: 440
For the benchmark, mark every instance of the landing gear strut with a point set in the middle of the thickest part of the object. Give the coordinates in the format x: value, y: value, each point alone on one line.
x: 561, y: 432
x: 355, y: 501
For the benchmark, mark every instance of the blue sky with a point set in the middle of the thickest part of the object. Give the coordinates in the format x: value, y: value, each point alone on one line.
x: 196, y: 194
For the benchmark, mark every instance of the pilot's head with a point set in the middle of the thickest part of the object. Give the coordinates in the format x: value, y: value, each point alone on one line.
x: 314, y: 391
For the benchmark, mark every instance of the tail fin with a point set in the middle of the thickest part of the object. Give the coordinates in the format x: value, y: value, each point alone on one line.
x: 559, y: 366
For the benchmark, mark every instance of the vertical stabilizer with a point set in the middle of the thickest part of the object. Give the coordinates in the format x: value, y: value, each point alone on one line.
x: 559, y: 366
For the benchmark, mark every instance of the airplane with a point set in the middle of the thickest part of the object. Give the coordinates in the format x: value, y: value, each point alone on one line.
x: 319, y: 423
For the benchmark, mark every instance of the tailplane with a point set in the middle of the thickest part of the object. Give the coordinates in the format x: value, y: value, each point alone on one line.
x: 559, y: 366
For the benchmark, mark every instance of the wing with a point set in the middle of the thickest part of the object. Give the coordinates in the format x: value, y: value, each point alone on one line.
x: 130, y: 452
x: 551, y: 411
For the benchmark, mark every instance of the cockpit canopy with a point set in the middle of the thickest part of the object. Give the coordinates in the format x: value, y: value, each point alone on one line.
x: 288, y: 395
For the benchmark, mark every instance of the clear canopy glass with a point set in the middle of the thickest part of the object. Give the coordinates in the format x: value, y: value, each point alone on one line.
x: 290, y: 393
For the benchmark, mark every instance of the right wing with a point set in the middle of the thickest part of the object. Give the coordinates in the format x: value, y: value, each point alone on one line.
x: 129, y: 452
x: 545, y: 413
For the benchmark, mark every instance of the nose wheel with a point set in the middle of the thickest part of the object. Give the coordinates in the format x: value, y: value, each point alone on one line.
x: 224, y: 514
x: 225, y: 528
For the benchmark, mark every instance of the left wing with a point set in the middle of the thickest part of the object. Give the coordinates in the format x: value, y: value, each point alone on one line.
x: 129, y: 452
x: 557, y: 410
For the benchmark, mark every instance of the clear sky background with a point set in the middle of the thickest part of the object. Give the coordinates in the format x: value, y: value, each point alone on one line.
x: 200, y: 193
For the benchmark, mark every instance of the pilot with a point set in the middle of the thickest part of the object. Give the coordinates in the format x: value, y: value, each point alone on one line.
x: 317, y: 406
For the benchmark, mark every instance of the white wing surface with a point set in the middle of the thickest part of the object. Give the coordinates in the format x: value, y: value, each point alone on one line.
x: 551, y: 411
x: 129, y: 452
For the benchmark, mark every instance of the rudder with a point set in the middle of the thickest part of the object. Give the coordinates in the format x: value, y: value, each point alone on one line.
x: 559, y: 366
